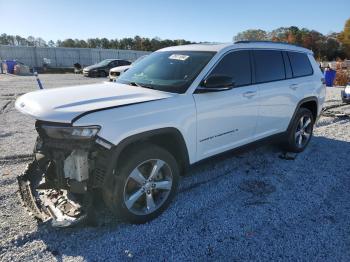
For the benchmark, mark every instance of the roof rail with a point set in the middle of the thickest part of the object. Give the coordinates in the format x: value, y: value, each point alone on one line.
x: 263, y: 41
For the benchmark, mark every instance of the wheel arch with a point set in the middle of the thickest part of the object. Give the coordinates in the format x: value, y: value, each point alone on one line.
x: 310, y: 103
x: 169, y: 138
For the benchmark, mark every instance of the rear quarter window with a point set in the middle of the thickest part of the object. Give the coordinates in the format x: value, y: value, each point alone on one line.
x: 300, y: 63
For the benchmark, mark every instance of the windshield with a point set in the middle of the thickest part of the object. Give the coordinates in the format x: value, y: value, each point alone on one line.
x: 138, y: 60
x: 103, y: 63
x: 170, y: 71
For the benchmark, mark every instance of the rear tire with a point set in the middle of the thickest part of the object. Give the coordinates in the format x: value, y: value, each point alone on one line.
x: 300, y: 131
x: 144, y: 184
x: 102, y: 74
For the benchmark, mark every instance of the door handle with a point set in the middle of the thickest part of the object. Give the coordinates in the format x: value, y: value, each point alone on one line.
x: 249, y: 94
x: 294, y: 86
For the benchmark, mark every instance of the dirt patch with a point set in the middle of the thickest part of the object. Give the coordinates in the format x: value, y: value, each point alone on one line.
x: 257, y: 187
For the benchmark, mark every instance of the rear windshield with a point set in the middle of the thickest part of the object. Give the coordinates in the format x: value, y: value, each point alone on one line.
x: 170, y: 71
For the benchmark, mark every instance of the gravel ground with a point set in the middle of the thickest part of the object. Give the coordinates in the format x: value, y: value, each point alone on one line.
x: 245, y: 206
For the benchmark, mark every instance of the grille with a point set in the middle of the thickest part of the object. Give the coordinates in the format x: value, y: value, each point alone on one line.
x: 100, y: 169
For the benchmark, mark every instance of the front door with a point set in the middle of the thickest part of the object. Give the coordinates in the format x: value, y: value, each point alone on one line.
x: 227, y: 119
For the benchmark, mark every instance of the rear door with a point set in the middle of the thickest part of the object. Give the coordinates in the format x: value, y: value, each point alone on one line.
x: 227, y: 119
x: 304, y: 82
x: 276, y: 101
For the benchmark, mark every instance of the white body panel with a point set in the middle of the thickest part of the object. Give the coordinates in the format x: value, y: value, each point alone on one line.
x: 276, y: 105
x: 117, y: 124
x: 64, y: 104
x: 225, y: 119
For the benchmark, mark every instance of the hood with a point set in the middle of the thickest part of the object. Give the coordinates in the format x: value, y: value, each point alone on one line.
x: 120, y: 68
x: 66, y: 103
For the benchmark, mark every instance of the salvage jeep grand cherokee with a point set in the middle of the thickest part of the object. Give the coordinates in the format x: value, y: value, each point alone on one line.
x: 131, y: 140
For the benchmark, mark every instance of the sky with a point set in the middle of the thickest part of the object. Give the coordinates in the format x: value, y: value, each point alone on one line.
x: 206, y: 20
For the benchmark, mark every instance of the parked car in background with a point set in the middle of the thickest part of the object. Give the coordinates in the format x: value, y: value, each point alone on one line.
x: 115, y: 72
x: 102, y: 68
x: 345, y: 94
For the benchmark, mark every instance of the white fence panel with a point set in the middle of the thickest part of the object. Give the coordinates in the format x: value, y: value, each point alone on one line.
x: 64, y: 57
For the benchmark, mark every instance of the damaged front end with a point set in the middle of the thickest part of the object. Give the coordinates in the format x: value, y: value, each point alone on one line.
x: 69, y: 165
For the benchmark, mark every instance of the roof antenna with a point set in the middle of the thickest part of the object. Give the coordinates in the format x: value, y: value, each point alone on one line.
x: 38, y: 80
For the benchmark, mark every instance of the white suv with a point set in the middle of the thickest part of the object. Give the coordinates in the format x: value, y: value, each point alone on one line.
x: 132, y: 139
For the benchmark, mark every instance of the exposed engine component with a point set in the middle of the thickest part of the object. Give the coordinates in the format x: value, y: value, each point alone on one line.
x: 63, y: 207
x: 59, y: 184
x: 76, y: 166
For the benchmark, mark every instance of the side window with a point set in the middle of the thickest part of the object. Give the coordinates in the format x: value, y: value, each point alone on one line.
x: 269, y: 66
x: 123, y: 62
x: 113, y: 64
x: 236, y: 65
x: 300, y: 64
x: 287, y: 66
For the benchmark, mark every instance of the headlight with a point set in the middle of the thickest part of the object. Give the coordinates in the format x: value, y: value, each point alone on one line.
x: 79, y: 132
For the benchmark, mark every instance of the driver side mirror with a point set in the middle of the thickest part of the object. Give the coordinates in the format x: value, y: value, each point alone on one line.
x: 216, y: 83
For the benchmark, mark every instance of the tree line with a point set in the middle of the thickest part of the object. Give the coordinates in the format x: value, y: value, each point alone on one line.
x: 325, y: 47
x: 135, y: 43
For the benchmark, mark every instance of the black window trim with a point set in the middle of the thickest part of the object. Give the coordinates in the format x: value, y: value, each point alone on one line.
x: 312, y: 69
x: 252, y: 64
x: 287, y: 61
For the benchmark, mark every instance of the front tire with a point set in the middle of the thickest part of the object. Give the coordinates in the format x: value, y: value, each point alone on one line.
x: 300, y: 132
x: 144, y: 184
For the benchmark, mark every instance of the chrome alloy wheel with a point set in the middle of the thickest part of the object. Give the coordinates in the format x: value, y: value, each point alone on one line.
x: 303, y: 131
x: 148, y: 186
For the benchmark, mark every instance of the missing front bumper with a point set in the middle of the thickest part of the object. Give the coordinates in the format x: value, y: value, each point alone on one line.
x: 49, y: 204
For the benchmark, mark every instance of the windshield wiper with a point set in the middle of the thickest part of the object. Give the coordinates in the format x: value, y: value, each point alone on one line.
x: 134, y: 84
x: 139, y: 85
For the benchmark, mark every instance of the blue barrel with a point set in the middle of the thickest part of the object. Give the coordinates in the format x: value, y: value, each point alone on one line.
x: 329, y: 76
x: 10, y: 66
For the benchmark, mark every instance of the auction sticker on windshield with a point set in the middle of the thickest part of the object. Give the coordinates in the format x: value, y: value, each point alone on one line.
x: 179, y: 57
